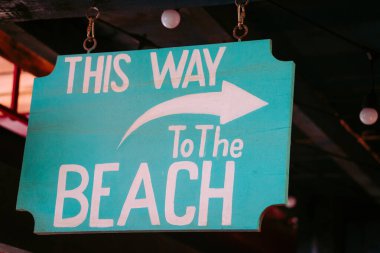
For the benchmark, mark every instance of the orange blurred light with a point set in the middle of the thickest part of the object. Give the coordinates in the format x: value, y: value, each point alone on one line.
x: 24, y: 98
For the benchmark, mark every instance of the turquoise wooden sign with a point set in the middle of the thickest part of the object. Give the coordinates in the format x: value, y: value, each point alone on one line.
x: 188, y: 138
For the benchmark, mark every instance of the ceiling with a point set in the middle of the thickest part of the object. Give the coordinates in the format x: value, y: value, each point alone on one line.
x: 335, y: 159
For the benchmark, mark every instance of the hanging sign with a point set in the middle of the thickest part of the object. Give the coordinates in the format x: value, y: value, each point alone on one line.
x: 188, y: 138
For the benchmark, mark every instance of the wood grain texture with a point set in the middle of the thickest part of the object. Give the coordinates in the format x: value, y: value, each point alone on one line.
x: 28, y: 10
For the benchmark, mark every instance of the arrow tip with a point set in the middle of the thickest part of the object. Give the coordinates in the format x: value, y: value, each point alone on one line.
x: 238, y: 102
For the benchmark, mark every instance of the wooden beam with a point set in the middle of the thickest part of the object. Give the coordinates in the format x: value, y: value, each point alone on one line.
x: 10, y: 249
x: 196, y: 27
x: 46, y: 9
x: 320, y: 138
x: 317, y: 121
x: 25, y: 51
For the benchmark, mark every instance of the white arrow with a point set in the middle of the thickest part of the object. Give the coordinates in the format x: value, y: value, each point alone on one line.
x: 229, y: 104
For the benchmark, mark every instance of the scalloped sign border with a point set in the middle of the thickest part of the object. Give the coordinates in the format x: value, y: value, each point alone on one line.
x: 173, y: 139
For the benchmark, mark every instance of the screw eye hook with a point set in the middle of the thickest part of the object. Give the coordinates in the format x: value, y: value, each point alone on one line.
x: 92, y: 13
x: 90, y: 42
x: 240, y: 30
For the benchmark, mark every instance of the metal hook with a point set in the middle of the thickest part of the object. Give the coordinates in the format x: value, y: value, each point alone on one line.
x: 242, y: 3
x: 240, y: 23
x: 92, y: 13
x: 238, y: 28
x: 90, y: 41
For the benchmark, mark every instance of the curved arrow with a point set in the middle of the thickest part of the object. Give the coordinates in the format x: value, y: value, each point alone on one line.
x: 229, y: 104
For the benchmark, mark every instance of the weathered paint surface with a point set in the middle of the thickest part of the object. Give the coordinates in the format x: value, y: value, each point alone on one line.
x: 190, y: 138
